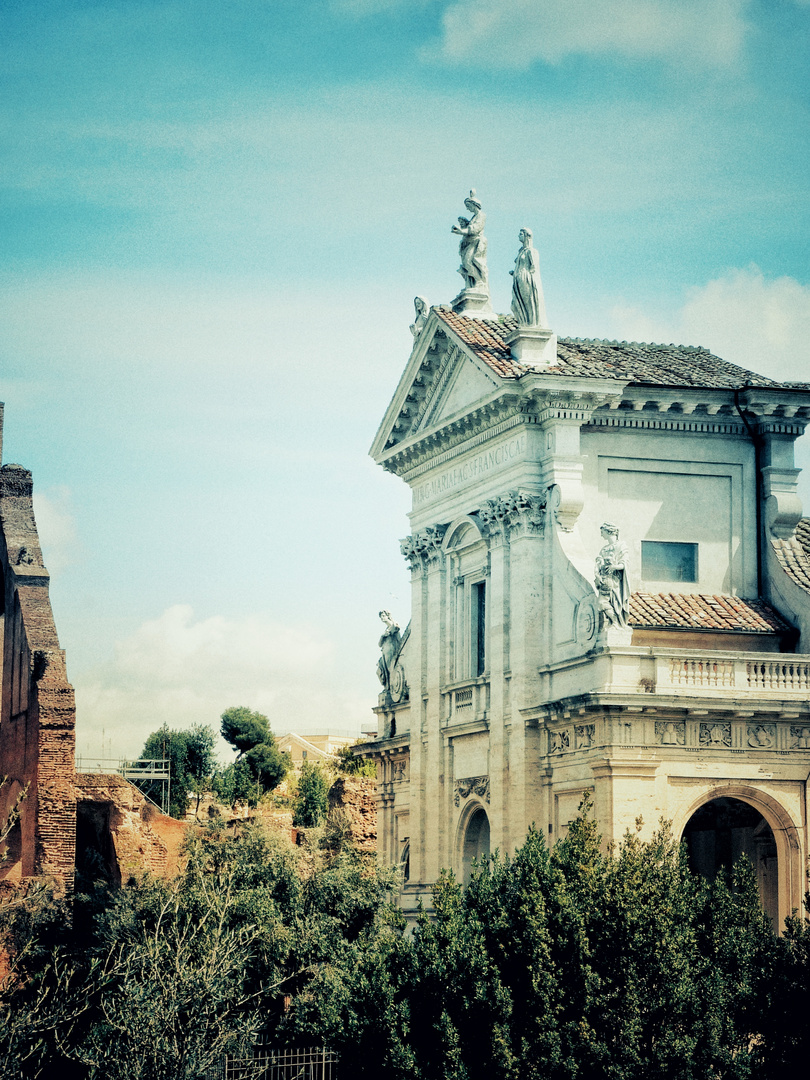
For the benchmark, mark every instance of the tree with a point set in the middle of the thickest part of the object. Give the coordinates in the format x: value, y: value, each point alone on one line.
x: 312, y: 802
x: 244, y: 729
x: 354, y: 766
x: 191, y: 763
x: 260, y: 765
x: 166, y: 976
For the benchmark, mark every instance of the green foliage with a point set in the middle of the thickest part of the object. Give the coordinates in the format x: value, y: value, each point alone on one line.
x: 354, y: 766
x: 244, y: 729
x: 561, y: 964
x: 156, y: 980
x: 259, y: 767
x: 312, y: 800
x: 191, y: 763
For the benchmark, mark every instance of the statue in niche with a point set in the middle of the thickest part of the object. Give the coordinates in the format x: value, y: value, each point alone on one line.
x: 389, y: 670
x: 528, y: 305
x: 612, y: 585
x: 422, y: 309
x: 473, y: 246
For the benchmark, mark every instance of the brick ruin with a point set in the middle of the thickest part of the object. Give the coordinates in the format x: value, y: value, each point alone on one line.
x: 38, y: 716
x: 118, y: 831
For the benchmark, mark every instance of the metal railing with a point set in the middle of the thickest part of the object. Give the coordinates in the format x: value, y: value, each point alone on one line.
x: 269, y: 1063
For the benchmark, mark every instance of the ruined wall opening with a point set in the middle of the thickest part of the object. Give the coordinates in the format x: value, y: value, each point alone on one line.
x: 95, y: 852
x: 476, y: 842
x: 723, y: 830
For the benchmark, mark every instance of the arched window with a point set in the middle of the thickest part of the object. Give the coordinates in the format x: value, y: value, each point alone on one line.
x: 476, y: 842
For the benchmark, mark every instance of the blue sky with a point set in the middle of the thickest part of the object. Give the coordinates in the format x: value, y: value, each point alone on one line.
x: 215, y: 217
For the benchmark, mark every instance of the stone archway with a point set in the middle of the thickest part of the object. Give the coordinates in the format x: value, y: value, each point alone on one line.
x: 723, y: 830
x: 475, y: 842
x: 733, y: 820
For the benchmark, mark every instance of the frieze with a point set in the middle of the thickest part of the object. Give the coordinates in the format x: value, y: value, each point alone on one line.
x: 715, y: 735
x: 517, y: 512
x: 472, y: 785
x: 399, y: 769
x: 560, y: 742
x: 583, y: 735
x: 484, y: 463
x: 799, y: 737
x: 670, y: 733
x: 762, y: 736
x: 423, y: 548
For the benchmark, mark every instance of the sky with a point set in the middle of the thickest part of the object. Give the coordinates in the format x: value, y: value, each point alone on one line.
x: 215, y: 217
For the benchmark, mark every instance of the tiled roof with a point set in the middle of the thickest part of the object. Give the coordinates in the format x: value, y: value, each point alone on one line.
x: 687, y: 611
x: 794, y: 554
x: 637, y: 363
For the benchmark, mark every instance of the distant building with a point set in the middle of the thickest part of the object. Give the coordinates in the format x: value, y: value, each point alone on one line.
x: 303, y: 748
x: 661, y: 663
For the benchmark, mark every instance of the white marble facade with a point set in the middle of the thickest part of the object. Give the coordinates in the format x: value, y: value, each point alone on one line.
x: 514, y: 694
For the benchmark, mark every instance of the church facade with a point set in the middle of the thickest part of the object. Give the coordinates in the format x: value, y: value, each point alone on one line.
x: 610, y: 594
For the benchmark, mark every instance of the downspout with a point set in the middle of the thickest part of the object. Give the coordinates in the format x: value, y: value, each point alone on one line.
x: 756, y: 439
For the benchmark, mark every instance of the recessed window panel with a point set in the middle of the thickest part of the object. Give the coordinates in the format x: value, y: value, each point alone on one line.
x: 662, y: 561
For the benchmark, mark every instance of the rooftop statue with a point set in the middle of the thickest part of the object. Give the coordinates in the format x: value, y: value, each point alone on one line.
x: 612, y: 585
x: 422, y: 309
x: 473, y: 246
x: 528, y: 305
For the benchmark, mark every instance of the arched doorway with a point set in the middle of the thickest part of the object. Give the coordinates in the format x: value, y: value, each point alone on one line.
x: 724, y: 829
x: 476, y: 842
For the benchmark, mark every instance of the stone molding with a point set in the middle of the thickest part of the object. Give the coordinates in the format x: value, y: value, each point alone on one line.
x: 471, y: 785
x: 423, y: 548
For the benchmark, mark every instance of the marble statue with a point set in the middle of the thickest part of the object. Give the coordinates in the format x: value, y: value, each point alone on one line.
x: 422, y: 309
x: 612, y: 585
x: 389, y: 668
x: 528, y: 305
x: 473, y: 246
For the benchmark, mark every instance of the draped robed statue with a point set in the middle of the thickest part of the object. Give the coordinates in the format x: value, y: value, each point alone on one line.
x: 528, y: 305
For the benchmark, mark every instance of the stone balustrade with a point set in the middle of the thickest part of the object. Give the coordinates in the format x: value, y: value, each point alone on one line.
x: 648, y: 670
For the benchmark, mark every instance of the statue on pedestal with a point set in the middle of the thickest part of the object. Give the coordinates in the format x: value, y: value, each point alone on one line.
x: 389, y: 670
x: 528, y: 305
x: 612, y: 585
x: 473, y: 246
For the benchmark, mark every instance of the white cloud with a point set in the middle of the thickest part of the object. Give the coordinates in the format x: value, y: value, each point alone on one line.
x: 56, y: 527
x: 182, y: 671
x: 759, y: 323
x: 513, y: 34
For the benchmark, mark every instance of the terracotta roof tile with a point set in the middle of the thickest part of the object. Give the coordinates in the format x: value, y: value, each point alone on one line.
x: 638, y: 363
x: 698, y: 611
x: 794, y: 554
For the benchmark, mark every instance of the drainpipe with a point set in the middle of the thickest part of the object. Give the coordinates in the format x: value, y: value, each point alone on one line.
x: 756, y: 439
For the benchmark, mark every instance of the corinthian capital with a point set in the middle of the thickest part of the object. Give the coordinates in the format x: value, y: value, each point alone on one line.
x: 424, y: 547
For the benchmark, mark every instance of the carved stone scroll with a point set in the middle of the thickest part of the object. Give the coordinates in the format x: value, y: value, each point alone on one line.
x: 472, y: 785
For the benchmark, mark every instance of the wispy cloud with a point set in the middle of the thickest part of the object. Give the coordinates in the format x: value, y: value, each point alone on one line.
x: 514, y: 34
x: 757, y: 322
x: 56, y: 526
x: 180, y: 670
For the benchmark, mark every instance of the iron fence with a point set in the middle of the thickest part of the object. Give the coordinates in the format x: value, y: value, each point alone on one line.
x: 269, y: 1063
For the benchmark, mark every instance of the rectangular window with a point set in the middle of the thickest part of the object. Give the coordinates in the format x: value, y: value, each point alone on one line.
x: 662, y: 561
x: 479, y: 622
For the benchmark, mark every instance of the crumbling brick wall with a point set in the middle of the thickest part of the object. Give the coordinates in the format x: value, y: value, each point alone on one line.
x: 136, y: 846
x: 38, y: 714
x: 356, y: 796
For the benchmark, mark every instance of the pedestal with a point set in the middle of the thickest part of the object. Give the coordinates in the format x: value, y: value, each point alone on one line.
x: 474, y: 303
x: 534, y: 346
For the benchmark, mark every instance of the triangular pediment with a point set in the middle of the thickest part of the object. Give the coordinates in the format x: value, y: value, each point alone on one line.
x: 443, y: 379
